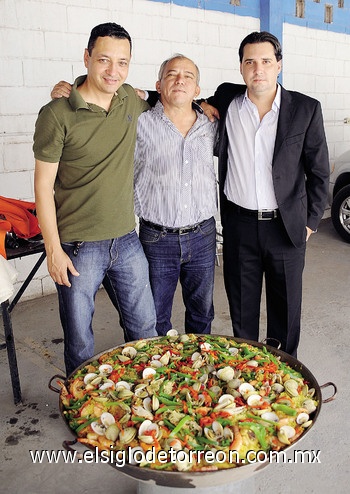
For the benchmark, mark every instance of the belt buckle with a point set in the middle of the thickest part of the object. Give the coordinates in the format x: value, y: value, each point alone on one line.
x: 261, y: 212
x: 188, y: 229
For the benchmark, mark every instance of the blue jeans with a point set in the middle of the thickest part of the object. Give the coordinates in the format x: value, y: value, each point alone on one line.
x: 121, y: 261
x: 190, y: 258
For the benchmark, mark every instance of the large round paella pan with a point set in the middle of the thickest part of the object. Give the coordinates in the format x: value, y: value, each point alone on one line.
x: 190, y: 410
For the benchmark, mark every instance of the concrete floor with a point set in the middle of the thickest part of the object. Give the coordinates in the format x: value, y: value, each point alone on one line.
x: 36, y: 424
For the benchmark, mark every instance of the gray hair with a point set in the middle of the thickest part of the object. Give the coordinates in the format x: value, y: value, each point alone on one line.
x: 175, y: 57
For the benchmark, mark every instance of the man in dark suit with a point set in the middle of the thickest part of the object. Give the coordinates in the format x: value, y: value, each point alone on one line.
x: 273, y: 176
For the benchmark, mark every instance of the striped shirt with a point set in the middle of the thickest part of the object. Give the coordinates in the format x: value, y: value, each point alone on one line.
x: 175, y: 181
x: 249, y: 170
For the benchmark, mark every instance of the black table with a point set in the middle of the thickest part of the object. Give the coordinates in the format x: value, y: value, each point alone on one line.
x: 26, y: 248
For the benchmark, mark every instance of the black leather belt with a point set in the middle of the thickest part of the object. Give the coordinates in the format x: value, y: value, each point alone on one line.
x: 260, y: 214
x: 179, y: 231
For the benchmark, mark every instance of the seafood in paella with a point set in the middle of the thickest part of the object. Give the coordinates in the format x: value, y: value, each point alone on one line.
x: 196, y: 402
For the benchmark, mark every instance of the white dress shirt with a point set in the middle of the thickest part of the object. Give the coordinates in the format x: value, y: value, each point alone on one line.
x: 175, y: 181
x: 251, y: 145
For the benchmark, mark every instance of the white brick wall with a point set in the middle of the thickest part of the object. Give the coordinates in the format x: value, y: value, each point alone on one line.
x: 317, y: 63
x: 43, y: 42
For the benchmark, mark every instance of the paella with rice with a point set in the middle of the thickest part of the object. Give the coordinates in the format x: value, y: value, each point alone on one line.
x: 188, y: 403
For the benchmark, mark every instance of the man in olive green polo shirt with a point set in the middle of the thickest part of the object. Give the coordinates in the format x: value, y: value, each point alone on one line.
x: 84, y: 148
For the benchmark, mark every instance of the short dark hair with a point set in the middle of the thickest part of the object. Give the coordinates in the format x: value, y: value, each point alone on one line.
x: 261, y: 37
x: 107, y: 29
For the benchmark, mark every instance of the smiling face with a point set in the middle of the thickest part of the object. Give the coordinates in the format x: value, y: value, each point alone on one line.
x: 178, y: 85
x: 108, y: 64
x: 260, y: 69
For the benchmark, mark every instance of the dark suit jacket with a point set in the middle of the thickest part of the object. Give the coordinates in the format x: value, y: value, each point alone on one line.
x: 300, y: 166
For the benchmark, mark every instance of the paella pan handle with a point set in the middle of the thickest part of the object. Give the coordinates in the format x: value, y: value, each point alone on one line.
x: 68, y: 446
x: 275, y: 343
x: 56, y: 377
x: 331, y: 398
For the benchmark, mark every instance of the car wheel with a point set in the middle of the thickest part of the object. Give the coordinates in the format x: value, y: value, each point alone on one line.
x: 340, y: 212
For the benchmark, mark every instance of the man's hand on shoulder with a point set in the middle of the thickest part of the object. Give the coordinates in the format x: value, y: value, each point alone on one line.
x: 142, y: 93
x: 61, y: 90
x: 210, y: 111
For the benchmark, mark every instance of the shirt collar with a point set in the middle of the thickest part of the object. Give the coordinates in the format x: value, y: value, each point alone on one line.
x: 276, y: 102
x: 159, y: 108
x: 276, y: 105
x: 77, y: 102
x: 75, y: 99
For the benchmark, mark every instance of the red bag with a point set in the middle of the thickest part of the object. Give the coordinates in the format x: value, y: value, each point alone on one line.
x: 17, y: 217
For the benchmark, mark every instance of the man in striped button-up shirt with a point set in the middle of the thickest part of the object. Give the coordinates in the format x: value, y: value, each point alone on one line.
x: 175, y: 196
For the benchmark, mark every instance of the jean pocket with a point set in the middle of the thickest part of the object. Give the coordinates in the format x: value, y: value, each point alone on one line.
x: 208, y: 227
x: 149, y: 235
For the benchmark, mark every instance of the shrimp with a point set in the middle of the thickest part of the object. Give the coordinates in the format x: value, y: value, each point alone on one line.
x: 237, y: 441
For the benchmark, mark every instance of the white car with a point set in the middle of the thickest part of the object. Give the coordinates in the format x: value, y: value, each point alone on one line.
x: 339, y: 195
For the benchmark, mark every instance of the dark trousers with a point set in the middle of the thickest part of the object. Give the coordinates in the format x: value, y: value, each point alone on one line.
x: 252, y: 249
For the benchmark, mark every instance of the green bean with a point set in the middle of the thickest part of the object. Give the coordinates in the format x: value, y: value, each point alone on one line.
x: 169, y: 424
x: 166, y: 401
x: 279, y: 407
x: 179, y: 426
x: 77, y: 404
x: 85, y: 424
x: 259, y: 431
x: 166, y: 408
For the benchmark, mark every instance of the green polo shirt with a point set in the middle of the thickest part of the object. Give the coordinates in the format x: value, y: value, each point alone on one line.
x: 95, y: 151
